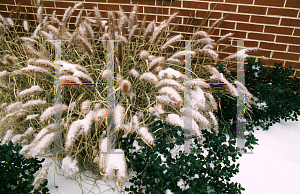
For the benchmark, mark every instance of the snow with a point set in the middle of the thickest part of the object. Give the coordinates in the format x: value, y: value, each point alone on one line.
x: 146, y: 135
x: 272, y: 168
x: 69, y: 167
x: 149, y: 77
x: 169, y: 73
x: 172, y: 93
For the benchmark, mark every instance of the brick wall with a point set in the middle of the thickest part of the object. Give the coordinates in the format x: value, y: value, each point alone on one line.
x: 272, y: 25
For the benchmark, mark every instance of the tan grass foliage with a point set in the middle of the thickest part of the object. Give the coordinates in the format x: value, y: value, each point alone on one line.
x: 147, y: 80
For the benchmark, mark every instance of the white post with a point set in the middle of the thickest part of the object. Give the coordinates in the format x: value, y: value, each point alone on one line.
x: 110, y: 97
x: 187, y: 95
x: 241, y: 120
x: 58, y: 144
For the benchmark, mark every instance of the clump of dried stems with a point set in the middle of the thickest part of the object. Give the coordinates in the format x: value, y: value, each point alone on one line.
x: 150, y: 84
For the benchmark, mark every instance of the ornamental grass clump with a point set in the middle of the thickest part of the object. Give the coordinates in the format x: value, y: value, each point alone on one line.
x: 149, y: 86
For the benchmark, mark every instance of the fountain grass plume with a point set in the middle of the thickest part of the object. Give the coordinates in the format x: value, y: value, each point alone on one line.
x: 148, y: 81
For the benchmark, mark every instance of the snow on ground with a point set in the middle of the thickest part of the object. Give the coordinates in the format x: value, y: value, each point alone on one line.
x: 273, y: 168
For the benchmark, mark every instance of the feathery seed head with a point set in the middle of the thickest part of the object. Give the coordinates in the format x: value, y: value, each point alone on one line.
x: 156, y: 62
x: 199, y: 35
x: 144, y: 54
x: 149, y: 77
x: 9, y: 59
x: 125, y: 86
x: 134, y: 73
x: 10, y: 22
x: 85, y: 107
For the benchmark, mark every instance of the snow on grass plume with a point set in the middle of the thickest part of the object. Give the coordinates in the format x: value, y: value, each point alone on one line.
x: 33, y: 90
x: 72, y: 133
x: 170, y: 74
x: 42, y: 145
x: 119, y: 117
x: 69, y: 167
x: 149, y: 77
x: 116, y: 161
x: 171, y: 83
x: 146, y: 135
x: 7, y: 137
x: 172, y: 93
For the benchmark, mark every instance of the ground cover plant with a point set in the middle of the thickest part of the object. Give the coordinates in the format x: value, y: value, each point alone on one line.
x: 278, y: 93
x: 150, y: 83
x: 17, y: 172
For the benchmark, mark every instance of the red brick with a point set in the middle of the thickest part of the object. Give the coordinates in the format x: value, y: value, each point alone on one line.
x: 201, y: 14
x: 270, y: 62
x: 172, y: 34
x: 295, y: 49
x: 297, y: 32
x: 290, y: 22
x: 297, y: 74
x: 278, y: 3
x: 128, y: 8
x: 251, y: 43
x: 22, y: 11
x: 293, y: 3
x: 180, y: 28
x: 118, y: 1
x: 144, y: 2
x: 222, y: 7
x: 272, y: 46
x: 224, y: 24
x: 237, y: 17
x: 294, y: 65
x: 203, y: 22
x: 258, y: 36
x: 264, y: 20
x: 192, y: 21
x: 247, y: 43
x: 47, y: 4
x: 182, y: 12
x: 2, y: 8
x: 215, y: 15
x: 104, y: 7
x: 288, y: 39
x: 249, y: 27
x: 230, y: 49
x: 156, y: 10
x: 72, y: 27
x: 63, y: 4
x: 11, y: 7
x: 252, y: 9
x: 215, y: 33
x: 279, y: 30
x: 224, y: 55
x: 73, y: 19
x: 284, y: 55
x: 10, y: 2
x: 98, y: 1
x: 90, y: 6
x: 195, y: 5
x: 239, y: 1
x: 50, y: 11
x: 236, y: 34
x: 21, y: 2
x: 283, y: 12
x: 260, y: 53
x: 176, y: 20
x: 150, y: 17
x: 168, y: 3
